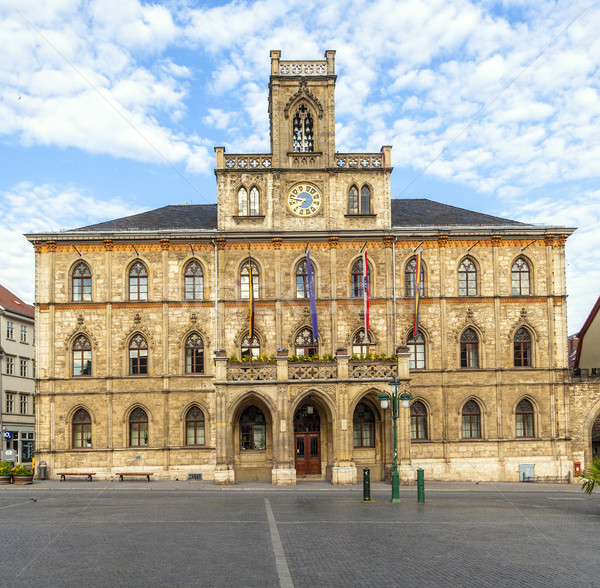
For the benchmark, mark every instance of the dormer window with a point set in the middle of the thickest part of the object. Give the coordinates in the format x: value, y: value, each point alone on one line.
x: 303, y: 130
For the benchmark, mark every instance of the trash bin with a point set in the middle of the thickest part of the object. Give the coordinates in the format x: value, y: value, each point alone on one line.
x: 43, y: 471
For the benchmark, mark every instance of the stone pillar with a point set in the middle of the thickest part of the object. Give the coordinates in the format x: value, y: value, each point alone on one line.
x: 284, y: 470
x: 224, y: 473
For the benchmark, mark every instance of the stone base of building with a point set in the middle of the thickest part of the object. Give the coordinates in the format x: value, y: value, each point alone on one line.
x: 224, y: 477
x: 283, y: 477
x: 343, y: 476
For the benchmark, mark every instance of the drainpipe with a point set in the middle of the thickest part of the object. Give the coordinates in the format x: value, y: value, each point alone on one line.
x: 394, y: 286
x: 216, y: 296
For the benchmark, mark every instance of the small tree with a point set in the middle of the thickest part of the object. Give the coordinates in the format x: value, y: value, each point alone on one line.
x: 591, y: 476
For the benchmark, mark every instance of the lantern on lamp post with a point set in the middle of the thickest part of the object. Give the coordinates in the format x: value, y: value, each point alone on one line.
x: 385, y: 398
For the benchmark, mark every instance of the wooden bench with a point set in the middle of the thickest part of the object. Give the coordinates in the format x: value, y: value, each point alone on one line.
x: 62, y: 476
x: 133, y: 474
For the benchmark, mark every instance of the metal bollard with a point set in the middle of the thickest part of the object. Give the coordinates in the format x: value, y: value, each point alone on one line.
x: 420, y: 485
x: 366, y: 485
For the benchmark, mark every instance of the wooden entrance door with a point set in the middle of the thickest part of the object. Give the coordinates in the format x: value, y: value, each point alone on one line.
x: 307, y: 433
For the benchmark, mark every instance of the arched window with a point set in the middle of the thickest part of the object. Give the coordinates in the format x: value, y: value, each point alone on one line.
x: 304, y: 344
x: 520, y: 278
x: 82, y: 429
x: 303, y: 130
x: 524, y: 414
x: 364, y: 426
x: 82, y: 356
x: 242, y: 201
x: 254, y: 202
x: 194, y: 281
x: 194, y: 354
x: 365, y: 200
x: 302, y: 279
x: 194, y: 426
x: 410, y: 273
x: 469, y: 349
x: 253, y: 429
x: 416, y: 350
x: 138, y: 428
x: 357, y: 278
x: 522, y: 348
x: 467, y: 278
x: 138, y: 355
x: 250, y: 347
x: 418, y: 420
x: 82, y: 282
x: 353, y: 200
x: 360, y: 343
x: 471, y: 420
x: 245, y: 280
x: 138, y: 282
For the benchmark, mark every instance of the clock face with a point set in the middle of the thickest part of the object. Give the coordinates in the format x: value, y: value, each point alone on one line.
x: 304, y: 199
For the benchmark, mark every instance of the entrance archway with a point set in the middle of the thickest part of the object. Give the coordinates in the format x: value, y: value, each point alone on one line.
x: 307, y: 434
x: 596, y: 438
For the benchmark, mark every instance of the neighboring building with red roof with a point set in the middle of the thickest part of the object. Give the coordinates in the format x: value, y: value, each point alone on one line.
x: 17, y: 377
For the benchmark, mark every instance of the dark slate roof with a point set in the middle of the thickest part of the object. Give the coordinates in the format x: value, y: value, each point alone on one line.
x: 405, y: 213
x: 180, y: 216
x: 421, y: 212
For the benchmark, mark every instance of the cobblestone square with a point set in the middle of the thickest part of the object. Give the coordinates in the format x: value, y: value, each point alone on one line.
x: 191, y: 534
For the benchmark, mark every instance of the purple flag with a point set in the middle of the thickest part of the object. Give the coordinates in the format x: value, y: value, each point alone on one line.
x: 311, y: 296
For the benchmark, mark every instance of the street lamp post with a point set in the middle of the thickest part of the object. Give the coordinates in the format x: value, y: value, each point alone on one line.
x: 384, y: 398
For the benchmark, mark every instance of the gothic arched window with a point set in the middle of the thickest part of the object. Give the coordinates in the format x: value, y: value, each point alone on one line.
x: 82, y: 356
x: 82, y: 282
x: 418, y: 420
x: 360, y: 343
x: 253, y: 429
x: 524, y: 414
x: 471, y: 420
x: 138, y: 282
x: 522, y: 348
x: 469, y: 349
x: 194, y: 354
x: 360, y: 205
x: 248, y: 206
x: 467, y: 278
x: 357, y: 278
x: 194, y: 281
x: 245, y: 280
x: 82, y: 429
x: 305, y: 344
x: 194, y: 426
x: 242, y: 201
x: 254, y: 202
x: 364, y: 426
x: 138, y: 428
x: 416, y: 350
x: 302, y: 279
x: 250, y: 347
x: 520, y: 278
x: 353, y: 200
x: 138, y: 355
x: 365, y: 200
x: 303, y: 130
x: 410, y: 273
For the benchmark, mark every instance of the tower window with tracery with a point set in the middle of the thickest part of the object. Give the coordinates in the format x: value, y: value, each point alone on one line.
x: 303, y: 130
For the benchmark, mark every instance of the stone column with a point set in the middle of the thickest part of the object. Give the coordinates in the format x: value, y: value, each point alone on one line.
x: 284, y: 469
x: 224, y: 473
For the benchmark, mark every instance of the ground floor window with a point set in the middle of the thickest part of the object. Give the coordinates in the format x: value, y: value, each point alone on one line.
x: 364, y: 426
x: 253, y: 429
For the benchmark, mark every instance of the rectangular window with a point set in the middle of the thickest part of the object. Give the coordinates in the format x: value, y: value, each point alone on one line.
x: 23, y: 368
x: 23, y: 334
x: 10, y: 366
x: 245, y: 287
x: 10, y: 402
x: 10, y: 330
x: 24, y: 402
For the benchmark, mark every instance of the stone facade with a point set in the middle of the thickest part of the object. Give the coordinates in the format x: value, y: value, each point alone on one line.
x: 290, y: 395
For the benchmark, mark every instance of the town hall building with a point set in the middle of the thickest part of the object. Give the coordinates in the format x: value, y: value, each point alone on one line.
x: 181, y: 341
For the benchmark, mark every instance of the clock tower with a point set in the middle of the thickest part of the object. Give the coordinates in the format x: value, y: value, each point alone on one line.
x: 303, y: 183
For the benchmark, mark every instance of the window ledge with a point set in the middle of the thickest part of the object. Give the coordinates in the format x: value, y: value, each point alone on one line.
x: 245, y: 217
x: 360, y: 215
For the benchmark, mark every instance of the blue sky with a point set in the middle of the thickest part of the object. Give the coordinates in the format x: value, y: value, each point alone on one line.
x: 110, y: 107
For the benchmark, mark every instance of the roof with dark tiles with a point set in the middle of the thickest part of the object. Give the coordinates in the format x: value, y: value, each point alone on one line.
x: 405, y: 213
